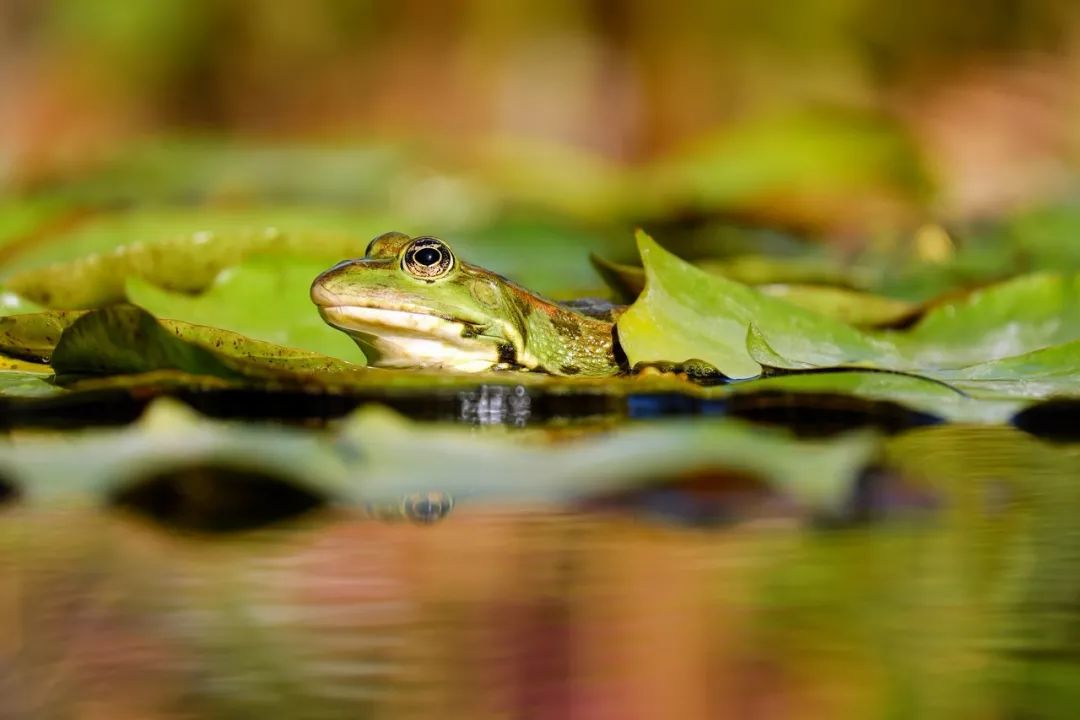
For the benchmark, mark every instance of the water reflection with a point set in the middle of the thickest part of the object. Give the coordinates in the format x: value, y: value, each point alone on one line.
x: 495, y: 405
x: 970, y: 610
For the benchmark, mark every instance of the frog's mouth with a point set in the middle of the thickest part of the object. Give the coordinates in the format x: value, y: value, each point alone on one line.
x: 406, y: 339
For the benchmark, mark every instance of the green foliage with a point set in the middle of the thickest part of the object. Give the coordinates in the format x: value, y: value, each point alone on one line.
x: 33, y: 336
x: 124, y: 339
x: 265, y: 298
x: 820, y: 155
x: 180, y: 251
x: 687, y: 313
x: 1016, y: 339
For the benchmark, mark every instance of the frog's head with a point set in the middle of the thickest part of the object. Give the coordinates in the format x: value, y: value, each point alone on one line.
x: 409, y: 302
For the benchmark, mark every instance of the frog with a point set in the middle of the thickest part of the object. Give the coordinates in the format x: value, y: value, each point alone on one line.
x: 411, y: 302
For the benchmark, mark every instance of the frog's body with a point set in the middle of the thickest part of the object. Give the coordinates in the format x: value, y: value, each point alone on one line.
x: 409, y: 302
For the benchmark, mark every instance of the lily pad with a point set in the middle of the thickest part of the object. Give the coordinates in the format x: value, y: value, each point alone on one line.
x: 1011, y: 318
x: 952, y: 401
x: 180, y: 252
x: 629, y: 280
x: 124, y: 339
x: 857, y: 308
x: 20, y: 383
x: 33, y: 336
x: 1049, y: 372
x: 265, y: 298
x: 687, y: 313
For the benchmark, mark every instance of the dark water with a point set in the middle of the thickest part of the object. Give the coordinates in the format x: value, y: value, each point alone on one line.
x: 964, y: 604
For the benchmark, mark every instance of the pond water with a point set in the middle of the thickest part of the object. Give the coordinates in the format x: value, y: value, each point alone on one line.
x: 953, y: 592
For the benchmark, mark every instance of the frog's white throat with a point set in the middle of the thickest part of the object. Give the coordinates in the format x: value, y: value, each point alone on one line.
x: 402, y: 339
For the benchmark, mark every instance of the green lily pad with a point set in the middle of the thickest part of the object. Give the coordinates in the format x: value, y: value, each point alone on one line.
x: 768, y: 270
x: 772, y: 274
x: 1011, y: 318
x: 33, y: 336
x: 1049, y: 372
x: 850, y: 306
x: 951, y: 401
x: 687, y: 313
x: 265, y: 298
x: 124, y: 339
x: 176, y: 251
x: 15, y: 383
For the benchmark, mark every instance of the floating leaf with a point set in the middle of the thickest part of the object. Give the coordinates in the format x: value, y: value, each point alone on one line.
x: 850, y: 306
x: 265, y: 298
x: 1011, y: 318
x: 773, y: 275
x: 1044, y: 373
x: 29, y: 384
x: 947, y: 400
x: 122, y: 339
x: 687, y: 313
x: 126, y: 339
x: 181, y: 252
x: 33, y: 336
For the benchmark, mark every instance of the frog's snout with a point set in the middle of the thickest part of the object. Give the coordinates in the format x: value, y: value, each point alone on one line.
x: 320, y: 294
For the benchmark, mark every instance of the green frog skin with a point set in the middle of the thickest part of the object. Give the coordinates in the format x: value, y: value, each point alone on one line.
x: 411, y: 303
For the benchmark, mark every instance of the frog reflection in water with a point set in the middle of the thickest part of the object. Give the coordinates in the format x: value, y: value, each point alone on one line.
x: 411, y: 303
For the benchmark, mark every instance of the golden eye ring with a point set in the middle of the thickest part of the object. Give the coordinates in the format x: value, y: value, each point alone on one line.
x: 427, y: 258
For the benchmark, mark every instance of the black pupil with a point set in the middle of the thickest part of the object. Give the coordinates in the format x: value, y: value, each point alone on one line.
x: 427, y: 256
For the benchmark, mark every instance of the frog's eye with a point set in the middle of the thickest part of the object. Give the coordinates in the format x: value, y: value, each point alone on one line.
x: 428, y: 258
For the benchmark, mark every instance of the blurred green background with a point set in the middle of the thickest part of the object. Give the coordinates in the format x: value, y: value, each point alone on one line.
x: 841, y: 117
